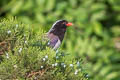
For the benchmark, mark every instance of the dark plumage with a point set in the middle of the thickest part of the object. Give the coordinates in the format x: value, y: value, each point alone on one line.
x: 57, y: 32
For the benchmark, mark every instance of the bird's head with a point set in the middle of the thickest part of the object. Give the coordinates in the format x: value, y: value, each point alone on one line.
x: 59, y: 28
x: 61, y: 24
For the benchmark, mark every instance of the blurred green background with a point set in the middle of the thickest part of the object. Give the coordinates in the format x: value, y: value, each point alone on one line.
x: 95, y: 36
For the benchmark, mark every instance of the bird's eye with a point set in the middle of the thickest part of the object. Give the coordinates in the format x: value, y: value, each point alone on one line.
x: 63, y: 23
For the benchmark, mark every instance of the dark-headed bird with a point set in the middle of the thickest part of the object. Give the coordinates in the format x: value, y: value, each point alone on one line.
x: 57, y: 32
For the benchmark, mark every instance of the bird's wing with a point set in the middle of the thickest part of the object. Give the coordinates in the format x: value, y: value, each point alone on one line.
x: 54, y: 41
x: 57, y: 44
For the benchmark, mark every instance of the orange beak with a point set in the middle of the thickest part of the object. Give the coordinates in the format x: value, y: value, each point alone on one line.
x: 69, y: 24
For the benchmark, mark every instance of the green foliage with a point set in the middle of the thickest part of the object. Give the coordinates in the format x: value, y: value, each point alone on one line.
x: 83, y: 12
x: 94, y: 36
x: 26, y: 56
x: 101, y: 55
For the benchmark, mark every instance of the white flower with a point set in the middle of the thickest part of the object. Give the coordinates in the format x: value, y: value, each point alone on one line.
x: 16, y: 25
x: 48, y: 43
x: 71, y: 65
x: 78, y: 63
x: 44, y: 59
x: 56, y: 64
x: 53, y: 65
x: 87, y: 76
x: 64, y: 65
x: 35, y: 78
x: 20, y: 50
x: 8, y: 31
x: 41, y: 66
x: 15, y: 66
x: 46, y: 56
x: 76, y: 72
x: 25, y: 42
x: 7, y: 56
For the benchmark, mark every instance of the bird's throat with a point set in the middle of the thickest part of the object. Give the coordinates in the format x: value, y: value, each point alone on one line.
x: 60, y: 33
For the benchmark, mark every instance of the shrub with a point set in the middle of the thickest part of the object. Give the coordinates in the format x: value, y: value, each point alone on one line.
x: 25, y: 55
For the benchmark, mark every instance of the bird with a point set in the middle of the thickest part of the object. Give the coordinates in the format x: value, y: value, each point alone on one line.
x: 56, y: 34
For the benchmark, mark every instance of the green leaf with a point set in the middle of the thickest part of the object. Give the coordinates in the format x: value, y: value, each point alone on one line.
x: 97, y: 27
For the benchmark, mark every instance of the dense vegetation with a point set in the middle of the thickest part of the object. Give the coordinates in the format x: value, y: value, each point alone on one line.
x: 26, y: 56
x: 95, y: 36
